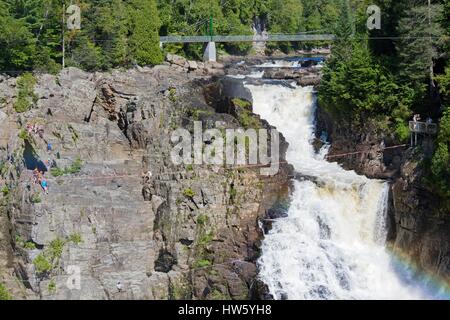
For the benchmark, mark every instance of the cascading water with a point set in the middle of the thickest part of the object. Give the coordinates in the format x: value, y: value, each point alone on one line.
x: 331, y: 245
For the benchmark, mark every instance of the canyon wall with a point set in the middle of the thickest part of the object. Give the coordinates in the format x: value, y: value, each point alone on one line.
x: 181, y: 232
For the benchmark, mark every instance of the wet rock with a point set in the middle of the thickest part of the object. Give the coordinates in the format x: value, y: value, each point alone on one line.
x: 165, y: 261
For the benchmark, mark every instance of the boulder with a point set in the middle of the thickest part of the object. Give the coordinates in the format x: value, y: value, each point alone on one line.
x: 177, y: 60
x: 192, y: 65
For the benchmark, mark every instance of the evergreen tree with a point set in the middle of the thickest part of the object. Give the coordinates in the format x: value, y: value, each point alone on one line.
x: 144, y: 38
x: 17, y: 44
x: 419, y: 32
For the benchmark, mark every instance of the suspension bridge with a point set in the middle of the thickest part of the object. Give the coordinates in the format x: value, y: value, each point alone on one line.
x: 210, y: 51
x: 211, y: 39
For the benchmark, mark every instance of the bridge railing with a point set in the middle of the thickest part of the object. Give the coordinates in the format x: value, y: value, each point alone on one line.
x: 248, y: 38
x: 423, y: 127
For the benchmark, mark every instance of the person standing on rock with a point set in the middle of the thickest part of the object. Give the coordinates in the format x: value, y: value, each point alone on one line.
x: 44, y: 185
x: 119, y: 286
x: 36, y: 175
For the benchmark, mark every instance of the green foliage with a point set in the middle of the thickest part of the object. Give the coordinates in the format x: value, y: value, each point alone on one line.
x: 49, y: 258
x: 233, y: 193
x: 4, y: 294
x: 241, y: 103
x: 188, y: 193
x: 416, y: 51
x: 440, y: 163
x: 122, y: 32
x: 17, y: 44
x: 55, y: 248
x: 5, y: 190
x: 74, y: 168
x: 402, y: 131
x: 218, y: 295
x: 41, y: 264
x: 181, y: 290
x: 51, y: 286
x: 76, y: 238
x: 202, y: 263
x: 357, y: 87
x: 57, y: 172
x: 248, y: 120
x: 205, y: 239
x: 23, y: 134
x: 36, y: 198
x: 3, y: 167
x: 202, y: 219
x: 29, y: 245
x: 86, y: 55
x: 144, y: 38
x: 25, y: 96
x: 444, y: 85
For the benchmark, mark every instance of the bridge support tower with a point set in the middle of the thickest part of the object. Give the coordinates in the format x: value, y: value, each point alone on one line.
x: 210, y: 54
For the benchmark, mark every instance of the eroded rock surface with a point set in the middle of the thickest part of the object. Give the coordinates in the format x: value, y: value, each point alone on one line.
x: 185, y: 231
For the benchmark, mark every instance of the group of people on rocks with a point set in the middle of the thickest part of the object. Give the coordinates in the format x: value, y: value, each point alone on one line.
x: 38, y: 175
x: 36, y: 129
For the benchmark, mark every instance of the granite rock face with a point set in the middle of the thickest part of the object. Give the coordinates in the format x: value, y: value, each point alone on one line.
x: 181, y: 232
x: 420, y: 232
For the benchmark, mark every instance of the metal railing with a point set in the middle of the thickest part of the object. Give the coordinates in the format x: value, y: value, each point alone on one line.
x: 423, y: 127
x: 248, y: 38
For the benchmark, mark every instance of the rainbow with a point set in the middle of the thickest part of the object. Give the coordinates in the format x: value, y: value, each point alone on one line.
x: 432, y: 286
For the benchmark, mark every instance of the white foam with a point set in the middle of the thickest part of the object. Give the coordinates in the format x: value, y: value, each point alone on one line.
x: 331, y: 245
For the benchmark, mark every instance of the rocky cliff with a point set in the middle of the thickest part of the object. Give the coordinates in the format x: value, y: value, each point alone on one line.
x: 181, y: 232
x: 418, y: 227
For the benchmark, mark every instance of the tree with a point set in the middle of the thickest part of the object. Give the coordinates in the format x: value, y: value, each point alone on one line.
x: 17, y: 45
x: 144, y: 38
x: 419, y: 33
x: 440, y: 163
x: 285, y: 17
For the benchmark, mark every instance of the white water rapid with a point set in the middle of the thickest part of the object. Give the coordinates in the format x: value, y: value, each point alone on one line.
x: 331, y: 245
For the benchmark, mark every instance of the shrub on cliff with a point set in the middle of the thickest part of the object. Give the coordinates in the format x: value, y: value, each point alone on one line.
x: 4, y: 294
x: 25, y: 96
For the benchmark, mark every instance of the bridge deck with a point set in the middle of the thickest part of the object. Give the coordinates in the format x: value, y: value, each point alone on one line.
x: 248, y: 38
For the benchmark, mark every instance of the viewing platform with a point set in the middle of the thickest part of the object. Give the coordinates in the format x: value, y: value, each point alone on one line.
x: 423, y: 127
x: 417, y: 127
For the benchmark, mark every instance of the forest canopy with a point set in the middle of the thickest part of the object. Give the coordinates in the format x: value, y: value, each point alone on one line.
x: 387, y: 74
x: 125, y: 32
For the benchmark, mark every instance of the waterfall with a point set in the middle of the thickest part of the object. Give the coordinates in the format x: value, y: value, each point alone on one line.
x: 331, y: 245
